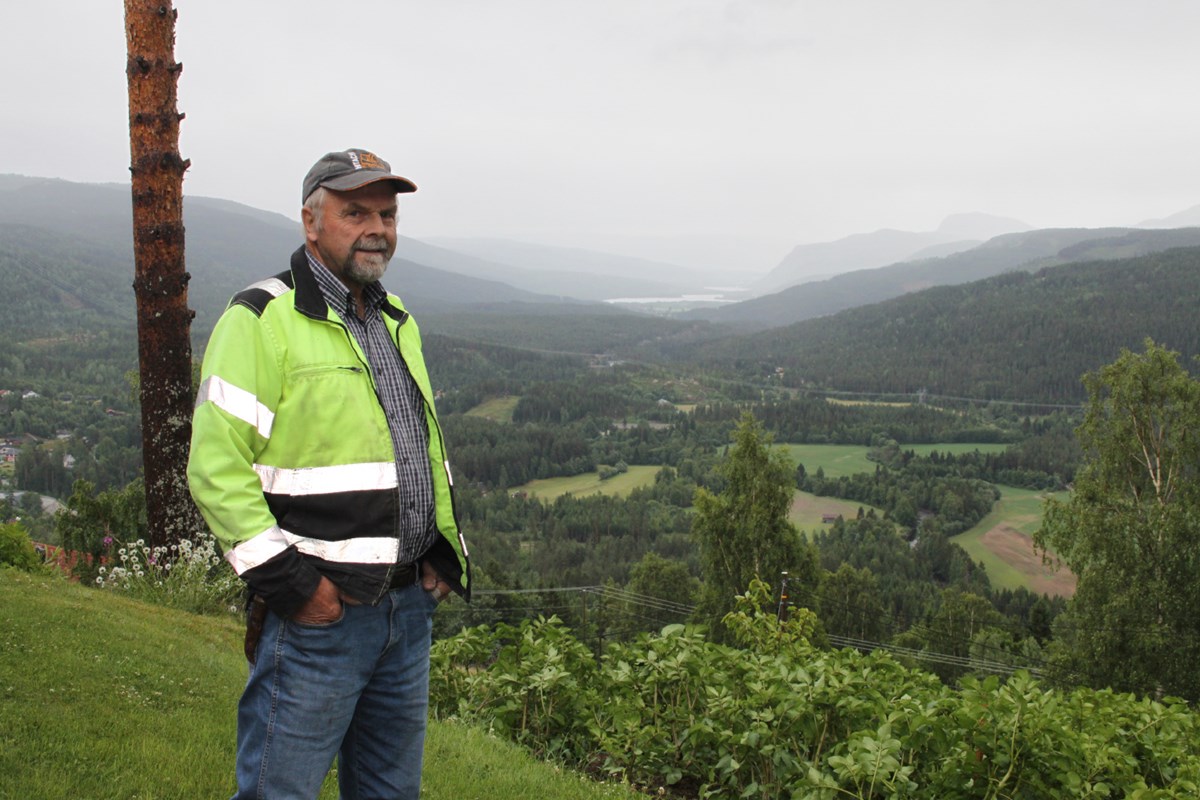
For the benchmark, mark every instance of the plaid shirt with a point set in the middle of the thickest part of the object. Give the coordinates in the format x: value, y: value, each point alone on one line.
x: 402, y: 404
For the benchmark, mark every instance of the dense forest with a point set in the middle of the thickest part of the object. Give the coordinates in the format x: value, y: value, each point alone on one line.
x: 1015, y: 337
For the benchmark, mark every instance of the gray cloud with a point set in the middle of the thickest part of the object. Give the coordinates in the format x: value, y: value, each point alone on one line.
x: 760, y: 121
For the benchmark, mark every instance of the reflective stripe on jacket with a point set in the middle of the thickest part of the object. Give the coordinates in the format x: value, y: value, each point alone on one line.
x: 291, y: 460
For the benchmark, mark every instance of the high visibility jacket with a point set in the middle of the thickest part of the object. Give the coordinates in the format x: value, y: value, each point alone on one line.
x: 292, y: 464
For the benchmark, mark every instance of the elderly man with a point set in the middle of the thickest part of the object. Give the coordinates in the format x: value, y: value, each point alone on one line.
x: 318, y: 462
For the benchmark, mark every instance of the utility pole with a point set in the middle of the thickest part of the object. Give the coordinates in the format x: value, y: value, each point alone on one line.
x: 160, y: 281
x: 783, y: 595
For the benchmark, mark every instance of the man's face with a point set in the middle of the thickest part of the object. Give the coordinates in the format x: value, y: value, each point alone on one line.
x: 355, y: 233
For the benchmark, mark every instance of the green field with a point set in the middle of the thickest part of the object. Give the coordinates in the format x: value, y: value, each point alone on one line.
x: 808, y: 509
x: 837, y: 401
x: 590, y: 483
x: 837, y: 460
x: 956, y: 448
x: 841, y: 460
x: 1001, y: 541
x: 497, y: 409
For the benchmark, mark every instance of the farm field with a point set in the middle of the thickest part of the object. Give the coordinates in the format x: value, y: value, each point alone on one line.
x: 808, y: 509
x: 839, y: 460
x: 1002, y: 541
x: 497, y: 409
x: 837, y: 401
x: 956, y: 448
x: 589, y: 483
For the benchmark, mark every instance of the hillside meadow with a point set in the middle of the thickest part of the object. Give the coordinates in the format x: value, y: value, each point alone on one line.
x: 1003, y: 542
x: 841, y: 460
x: 105, y: 698
x: 497, y: 409
x: 589, y: 483
x: 808, y: 511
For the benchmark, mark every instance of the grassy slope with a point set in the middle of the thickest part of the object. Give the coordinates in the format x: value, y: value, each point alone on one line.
x: 498, y: 409
x: 589, y: 483
x: 808, y: 509
x: 1016, y: 516
x: 103, y: 697
x: 838, y: 460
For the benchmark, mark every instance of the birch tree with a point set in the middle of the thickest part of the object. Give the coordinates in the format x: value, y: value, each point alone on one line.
x: 1131, y: 531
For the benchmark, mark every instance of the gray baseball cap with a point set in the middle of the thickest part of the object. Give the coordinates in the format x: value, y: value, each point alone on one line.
x: 352, y: 169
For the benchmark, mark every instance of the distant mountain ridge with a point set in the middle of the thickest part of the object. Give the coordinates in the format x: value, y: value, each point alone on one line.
x: 1187, y: 218
x: 860, y: 251
x: 74, y: 234
x: 1021, y: 336
x: 1027, y: 251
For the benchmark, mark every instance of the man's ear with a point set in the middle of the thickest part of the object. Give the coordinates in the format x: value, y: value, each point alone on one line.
x: 310, y: 224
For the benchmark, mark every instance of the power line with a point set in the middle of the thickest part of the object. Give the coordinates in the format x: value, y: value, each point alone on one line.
x: 659, y: 604
x: 919, y: 396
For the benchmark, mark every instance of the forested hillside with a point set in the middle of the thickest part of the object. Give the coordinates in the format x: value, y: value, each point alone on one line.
x: 1016, y: 251
x: 228, y: 247
x: 1018, y: 337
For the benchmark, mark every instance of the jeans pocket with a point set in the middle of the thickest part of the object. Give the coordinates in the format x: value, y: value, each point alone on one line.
x: 319, y: 625
x: 431, y: 602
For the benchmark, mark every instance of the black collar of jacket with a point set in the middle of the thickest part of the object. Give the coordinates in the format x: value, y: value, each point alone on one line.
x: 309, y: 300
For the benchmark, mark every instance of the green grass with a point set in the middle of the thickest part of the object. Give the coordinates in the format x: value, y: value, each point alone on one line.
x: 497, y: 409
x: 1020, y: 510
x: 102, y: 697
x: 807, y: 510
x: 955, y: 448
x: 590, y: 483
x: 841, y: 460
x: 837, y: 460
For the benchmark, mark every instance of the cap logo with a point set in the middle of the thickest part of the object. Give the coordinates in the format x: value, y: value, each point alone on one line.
x: 364, y: 160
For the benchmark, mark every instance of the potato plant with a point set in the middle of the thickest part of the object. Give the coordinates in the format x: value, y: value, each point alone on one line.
x: 779, y: 718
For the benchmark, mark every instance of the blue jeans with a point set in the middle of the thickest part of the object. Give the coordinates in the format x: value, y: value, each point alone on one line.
x: 357, y: 688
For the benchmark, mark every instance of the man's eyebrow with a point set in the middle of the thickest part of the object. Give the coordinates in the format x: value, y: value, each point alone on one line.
x: 354, y: 205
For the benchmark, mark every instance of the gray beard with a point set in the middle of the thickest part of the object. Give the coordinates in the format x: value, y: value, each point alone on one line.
x: 364, y: 267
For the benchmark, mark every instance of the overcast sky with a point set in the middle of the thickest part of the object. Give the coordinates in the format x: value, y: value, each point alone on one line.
x: 619, y: 122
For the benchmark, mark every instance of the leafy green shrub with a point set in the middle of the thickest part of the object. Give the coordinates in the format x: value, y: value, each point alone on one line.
x: 534, y: 689
x: 16, y: 549
x: 788, y: 720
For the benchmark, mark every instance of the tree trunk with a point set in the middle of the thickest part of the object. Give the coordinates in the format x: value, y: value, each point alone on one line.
x: 160, y: 282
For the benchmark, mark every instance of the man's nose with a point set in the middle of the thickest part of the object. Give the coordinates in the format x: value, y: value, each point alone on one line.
x: 376, y: 224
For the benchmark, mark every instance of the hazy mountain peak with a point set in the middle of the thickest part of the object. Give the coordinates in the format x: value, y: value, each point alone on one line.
x: 1188, y: 218
x: 883, y: 247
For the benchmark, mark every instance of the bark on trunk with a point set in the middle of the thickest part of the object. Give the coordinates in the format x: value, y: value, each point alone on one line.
x: 160, y: 282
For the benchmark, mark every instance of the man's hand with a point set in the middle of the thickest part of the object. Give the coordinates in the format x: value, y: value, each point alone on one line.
x: 324, y: 607
x: 433, y: 583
